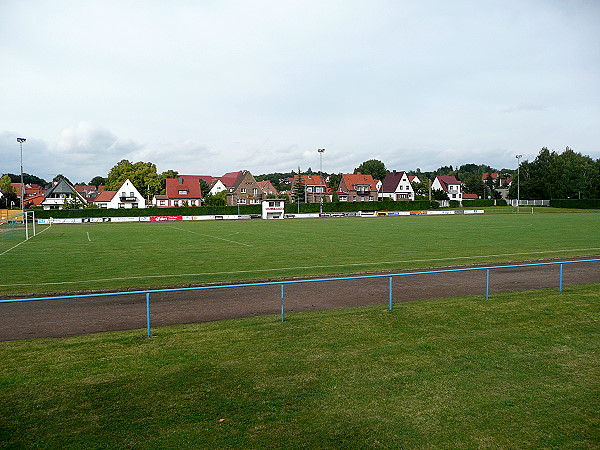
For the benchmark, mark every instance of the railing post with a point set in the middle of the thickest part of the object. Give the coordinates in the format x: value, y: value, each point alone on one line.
x: 391, y: 296
x: 561, y: 278
x: 283, y: 302
x: 487, y: 284
x: 148, y: 313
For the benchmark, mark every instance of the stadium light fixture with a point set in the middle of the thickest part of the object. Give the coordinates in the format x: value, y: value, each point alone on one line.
x: 20, y: 140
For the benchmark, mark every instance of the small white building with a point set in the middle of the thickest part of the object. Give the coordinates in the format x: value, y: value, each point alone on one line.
x: 273, y: 208
x: 127, y: 197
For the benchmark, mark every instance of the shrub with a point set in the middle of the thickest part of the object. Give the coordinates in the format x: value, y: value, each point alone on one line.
x: 583, y: 203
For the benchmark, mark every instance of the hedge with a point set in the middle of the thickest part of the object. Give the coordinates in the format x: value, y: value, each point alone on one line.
x: 583, y: 203
x: 483, y: 202
x: 142, y: 212
x: 290, y: 208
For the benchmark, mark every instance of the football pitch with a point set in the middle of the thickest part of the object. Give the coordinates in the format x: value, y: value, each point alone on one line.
x: 108, y: 256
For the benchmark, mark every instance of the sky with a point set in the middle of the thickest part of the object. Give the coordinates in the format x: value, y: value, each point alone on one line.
x: 208, y: 87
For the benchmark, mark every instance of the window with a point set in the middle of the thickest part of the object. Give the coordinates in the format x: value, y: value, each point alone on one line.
x: 131, y: 194
x: 309, y: 189
x: 134, y: 205
x: 241, y: 201
x: 183, y: 192
x: 243, y: 190
x: 121, y: 205
x: 161, y: 203
x: 255, y: 191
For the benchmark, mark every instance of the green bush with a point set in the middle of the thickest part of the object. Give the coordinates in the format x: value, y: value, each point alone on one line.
x: 135, y: 212
x: 454, y: 204
x: 584, y: 203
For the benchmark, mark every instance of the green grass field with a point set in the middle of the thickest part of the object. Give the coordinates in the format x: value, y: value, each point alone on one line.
x: 115, y: 256
x: 519, y: 371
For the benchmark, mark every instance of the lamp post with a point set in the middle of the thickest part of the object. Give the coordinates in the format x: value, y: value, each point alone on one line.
x: 321, y: 151
x: 20, y: 140
x: 518, y: 181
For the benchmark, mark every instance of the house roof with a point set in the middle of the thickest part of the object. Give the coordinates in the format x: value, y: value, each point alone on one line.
x: 105, y: 196
x: 230, y: 178
x: 35, y: 200
x: 266, y: 185
x: 391, y: 181
x: 311, y: 180
x: 352, y: 180
x: 63, y: 187
x: 470, y: 197
x: 190, y: 184
x: 446, y: 180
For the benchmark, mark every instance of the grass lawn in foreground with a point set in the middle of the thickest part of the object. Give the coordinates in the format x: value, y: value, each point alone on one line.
x: 113, y: 256
x: 519, y: 370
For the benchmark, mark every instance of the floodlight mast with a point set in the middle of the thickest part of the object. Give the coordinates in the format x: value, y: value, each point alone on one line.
x: 321, y: 151
x: 20, y: 140
x: 518, y: 181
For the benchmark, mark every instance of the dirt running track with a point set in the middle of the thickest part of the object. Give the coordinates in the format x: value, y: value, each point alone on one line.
x: 59, y: 318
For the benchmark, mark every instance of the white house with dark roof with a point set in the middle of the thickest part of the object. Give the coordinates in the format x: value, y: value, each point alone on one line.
x: 60, y: 193
x: 450, y: 185
x: 396, y: 185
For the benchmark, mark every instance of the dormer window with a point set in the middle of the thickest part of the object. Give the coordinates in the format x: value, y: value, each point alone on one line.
x: 183, y: 192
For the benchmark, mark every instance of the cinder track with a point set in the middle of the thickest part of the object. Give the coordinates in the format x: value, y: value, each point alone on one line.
x: 60, y: 318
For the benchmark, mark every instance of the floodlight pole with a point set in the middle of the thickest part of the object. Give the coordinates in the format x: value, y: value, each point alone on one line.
x: 321, y: 151
x: 20, y: 140
x: 518, y: 181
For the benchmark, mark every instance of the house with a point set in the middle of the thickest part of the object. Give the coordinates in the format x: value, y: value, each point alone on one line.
x: 315, y: 188
x: 242, y: 188
x: 414, y: 179
x: 60, y: 193
x: 268, y: 188
x: 126, y: 197
x: 396, y: 185
x: 89, y: 192
x: 499, y: 180
x: 470, y: 196
x: 357, y: 188
x: 181, y: 191
x: 450, y: 185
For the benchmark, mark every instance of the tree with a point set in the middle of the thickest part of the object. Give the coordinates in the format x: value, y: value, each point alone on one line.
x: 143, y: 175
x: 438, y: 194
x: 372, y: 167
x: 298, y: 189
x: 60, y: 177
x: 475, y: 185
x: 219, y: 199
x: 97, y: 181
x: 421, y: 189
x: 557, y: 175
x: 204, y: 188
x: 5, y: 184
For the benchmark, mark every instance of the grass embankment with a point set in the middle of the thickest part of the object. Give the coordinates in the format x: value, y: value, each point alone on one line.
x: 519, y: 370
x: 120, y: 256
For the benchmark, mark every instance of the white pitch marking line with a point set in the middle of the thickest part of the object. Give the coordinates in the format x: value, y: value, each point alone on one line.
x: 88, y: 235
x: 208, y: 235
x: 22, y: 242
x: 289, y: 268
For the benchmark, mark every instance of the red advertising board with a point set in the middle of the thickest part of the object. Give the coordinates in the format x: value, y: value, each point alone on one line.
x: 165, y: 218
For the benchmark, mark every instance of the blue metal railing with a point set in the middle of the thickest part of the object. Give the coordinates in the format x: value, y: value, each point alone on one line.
x: 313, y: 280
